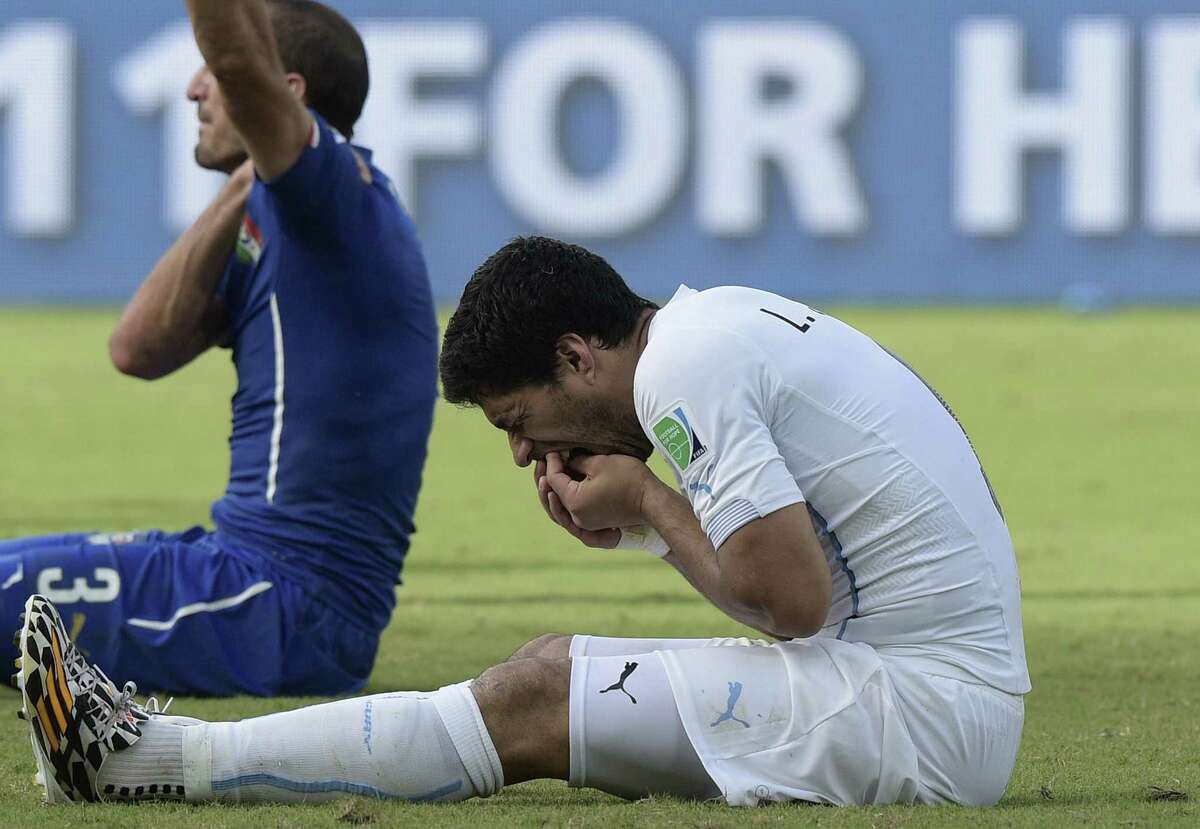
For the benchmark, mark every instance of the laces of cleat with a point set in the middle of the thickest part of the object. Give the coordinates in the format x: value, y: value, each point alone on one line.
x: 75, y: 663
x: 95, y: 686
x: 121, y: 707
x: 152, y: 706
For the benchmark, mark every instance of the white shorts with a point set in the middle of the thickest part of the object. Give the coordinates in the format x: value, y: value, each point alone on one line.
x: 818, y: 720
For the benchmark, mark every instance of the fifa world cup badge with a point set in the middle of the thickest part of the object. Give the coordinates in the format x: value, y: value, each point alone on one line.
x: 678, y: 439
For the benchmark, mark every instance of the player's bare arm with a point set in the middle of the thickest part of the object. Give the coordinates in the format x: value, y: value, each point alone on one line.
x: 265, y: 105
x: 175, y: 315
x: 771, y: 574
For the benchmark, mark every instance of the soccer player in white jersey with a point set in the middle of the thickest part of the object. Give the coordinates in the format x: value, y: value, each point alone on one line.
x: 829, y: 500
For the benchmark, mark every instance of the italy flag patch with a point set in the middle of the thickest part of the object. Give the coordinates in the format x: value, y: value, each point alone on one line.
x: 249, y: 243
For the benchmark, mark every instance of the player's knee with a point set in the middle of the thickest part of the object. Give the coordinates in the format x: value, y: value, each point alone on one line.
x: 525, y: 704
x: 546, y: 646
x: 534, y: 683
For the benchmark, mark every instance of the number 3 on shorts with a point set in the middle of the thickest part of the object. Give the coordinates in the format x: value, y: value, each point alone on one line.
x: 51, y: 584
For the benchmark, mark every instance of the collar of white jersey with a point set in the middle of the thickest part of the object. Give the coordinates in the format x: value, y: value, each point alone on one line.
x: 681, y: 293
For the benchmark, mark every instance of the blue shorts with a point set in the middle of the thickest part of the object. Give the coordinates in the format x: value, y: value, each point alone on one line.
x: 175, y: 612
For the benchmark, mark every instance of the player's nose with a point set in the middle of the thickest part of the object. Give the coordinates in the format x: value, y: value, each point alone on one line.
x: 522, y: 449
x: 197, y: 86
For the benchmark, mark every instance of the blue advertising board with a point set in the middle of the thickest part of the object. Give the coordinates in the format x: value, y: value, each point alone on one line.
x: 855, y: 150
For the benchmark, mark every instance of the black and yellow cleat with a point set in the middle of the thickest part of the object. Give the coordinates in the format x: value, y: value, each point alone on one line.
x: 76, y: 714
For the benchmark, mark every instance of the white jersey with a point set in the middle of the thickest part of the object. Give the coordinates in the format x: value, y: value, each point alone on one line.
x: 759, y: 402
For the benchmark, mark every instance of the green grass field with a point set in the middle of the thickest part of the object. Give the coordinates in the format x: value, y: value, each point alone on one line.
x: 1089, y: 428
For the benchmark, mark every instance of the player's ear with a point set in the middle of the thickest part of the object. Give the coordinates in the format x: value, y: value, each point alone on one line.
x: 575, y: 357
x: 297, y: 84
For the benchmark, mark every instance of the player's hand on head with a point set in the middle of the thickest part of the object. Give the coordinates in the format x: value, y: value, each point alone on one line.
x: 597, y: 491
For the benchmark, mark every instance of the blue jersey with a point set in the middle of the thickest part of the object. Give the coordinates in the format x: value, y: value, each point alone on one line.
x: 335, y: 344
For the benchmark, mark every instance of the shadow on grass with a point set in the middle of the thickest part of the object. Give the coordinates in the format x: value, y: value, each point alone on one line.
x: 1140, y: 796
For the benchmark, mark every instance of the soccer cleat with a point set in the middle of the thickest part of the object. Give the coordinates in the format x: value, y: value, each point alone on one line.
x: 76, y: 714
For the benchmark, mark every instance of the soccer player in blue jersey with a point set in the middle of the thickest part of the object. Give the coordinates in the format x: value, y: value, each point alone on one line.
x: 308, y: 267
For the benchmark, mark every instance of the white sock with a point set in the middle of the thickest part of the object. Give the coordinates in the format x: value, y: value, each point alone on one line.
x: 152, y: 768
x: 412, y: 746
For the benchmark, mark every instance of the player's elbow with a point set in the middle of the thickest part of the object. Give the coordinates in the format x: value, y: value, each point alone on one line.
x: 797, y: 613
x: 796, y: 621
x: 777, y: 574
x: 131, y: 360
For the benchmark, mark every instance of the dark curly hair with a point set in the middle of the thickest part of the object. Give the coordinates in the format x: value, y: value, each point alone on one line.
x: 527, y: 295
